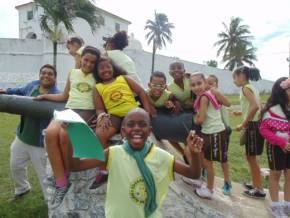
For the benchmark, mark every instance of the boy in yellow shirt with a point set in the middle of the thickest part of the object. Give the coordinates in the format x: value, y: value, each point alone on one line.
x: 139, y: 172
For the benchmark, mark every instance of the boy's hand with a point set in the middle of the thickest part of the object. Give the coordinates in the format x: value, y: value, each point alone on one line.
x: 39, y: 98
x: 177, y: 109
x: 169, y: 104
x: 194, y: 142
x: 214, y: 91
x: 2, y: 91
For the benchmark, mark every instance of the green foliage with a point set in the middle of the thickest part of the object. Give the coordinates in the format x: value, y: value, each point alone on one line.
x: 235, y: 44
x: 159, y: 33
x: 212, y: 63
x: 32, y: 205
x: 63, y: 12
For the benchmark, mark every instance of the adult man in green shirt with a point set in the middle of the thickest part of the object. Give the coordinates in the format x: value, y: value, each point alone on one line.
x: 28, y: 143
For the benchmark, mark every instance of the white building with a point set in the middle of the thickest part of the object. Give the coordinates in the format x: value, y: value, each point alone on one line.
x: 20, y: 59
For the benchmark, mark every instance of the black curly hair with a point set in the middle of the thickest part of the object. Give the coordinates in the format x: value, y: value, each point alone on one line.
x: 117, y: 71
x: 119, y: 40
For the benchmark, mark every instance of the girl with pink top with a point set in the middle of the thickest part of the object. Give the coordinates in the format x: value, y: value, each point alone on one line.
x: 275, y: 128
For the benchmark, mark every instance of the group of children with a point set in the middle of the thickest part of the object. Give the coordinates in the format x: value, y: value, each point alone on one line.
x: 102, y: 88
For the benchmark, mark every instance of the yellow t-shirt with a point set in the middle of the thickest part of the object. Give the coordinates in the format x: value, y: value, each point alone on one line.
x: 81, y: 90
x: 183, y: 95
x: 117, y: 96
x: 160, y: 102
x: 245, y: 104
x: 126, y: 190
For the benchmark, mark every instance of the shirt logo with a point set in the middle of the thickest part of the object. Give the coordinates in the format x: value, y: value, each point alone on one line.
x: 116, y: 96
x: 138, y: 191
x: 84, y: 87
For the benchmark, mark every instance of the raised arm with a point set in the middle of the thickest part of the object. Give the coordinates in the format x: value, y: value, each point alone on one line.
x: 202, y: 112
x: 221, y: 97
x: 193, y: 171
x: 136, y: 88
x: 61, y: 97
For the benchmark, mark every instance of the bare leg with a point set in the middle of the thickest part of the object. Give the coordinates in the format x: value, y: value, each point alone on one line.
x: 287, y: 186
x: 255, y: 172
x: 66, y: 149
x: 54, y: 150
x: 210, y: 171
x: 225, y: 167
x: 274, y: 178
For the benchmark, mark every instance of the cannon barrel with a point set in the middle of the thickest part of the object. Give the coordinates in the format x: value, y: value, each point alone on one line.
x: 165, y: 126
x: 24, y: 105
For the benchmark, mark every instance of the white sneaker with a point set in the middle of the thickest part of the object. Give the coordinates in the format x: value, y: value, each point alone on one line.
x: 204, y: 192
x: 287, y: 210
x: 196, y: 183
x: 278, y: 212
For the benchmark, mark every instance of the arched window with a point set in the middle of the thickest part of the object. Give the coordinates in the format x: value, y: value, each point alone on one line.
x: 31, y: 35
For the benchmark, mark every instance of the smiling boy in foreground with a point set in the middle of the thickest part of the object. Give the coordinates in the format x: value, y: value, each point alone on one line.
x: 139, y: 172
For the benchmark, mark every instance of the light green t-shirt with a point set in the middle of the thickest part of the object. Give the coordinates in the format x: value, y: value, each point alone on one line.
x: 160, y: 102
x: 245, y: 104
x: 213, y: 122
x: 183, y: 95
x: 124, y: 62
x: 126, y: 191
x: 225, y: 115
x: 81, y: 90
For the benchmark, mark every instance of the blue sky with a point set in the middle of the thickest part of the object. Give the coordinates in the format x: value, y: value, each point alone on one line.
x: 196, y: 26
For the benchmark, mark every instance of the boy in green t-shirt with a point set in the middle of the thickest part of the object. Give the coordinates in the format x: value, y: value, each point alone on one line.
x: 139, y: 172
x: 161, y: 98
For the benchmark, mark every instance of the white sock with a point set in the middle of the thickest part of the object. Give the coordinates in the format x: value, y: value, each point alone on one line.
x: 276, y: 204
x: 287, y: 203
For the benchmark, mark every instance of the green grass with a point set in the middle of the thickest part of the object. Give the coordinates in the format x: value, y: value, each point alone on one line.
x: 235, y: 99
x: 33, y: 205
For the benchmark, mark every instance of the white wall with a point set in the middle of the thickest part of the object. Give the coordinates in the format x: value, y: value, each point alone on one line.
x: 25, y: 57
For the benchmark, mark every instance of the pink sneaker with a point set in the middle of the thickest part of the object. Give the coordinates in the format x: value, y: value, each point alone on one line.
x: 101, y: 179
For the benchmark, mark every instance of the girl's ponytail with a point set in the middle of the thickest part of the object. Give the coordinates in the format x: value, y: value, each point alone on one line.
x: 254, y: 74
x: 251, y: 73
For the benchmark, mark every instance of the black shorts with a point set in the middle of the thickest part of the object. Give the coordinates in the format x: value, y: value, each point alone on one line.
x: 216, y: 146
x: 277, y: 158
x: 254, y: 142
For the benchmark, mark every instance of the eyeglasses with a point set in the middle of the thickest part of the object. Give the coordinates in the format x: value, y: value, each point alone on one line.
x: 141, y: 124
x: 157, y: 86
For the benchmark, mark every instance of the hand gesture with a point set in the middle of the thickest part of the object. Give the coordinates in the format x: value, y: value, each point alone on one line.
x: 177, y: 109
x: 239, y: 127
x: 2, y: 91
x: 287, y: 148
x: 39, y: 98
x: 104, y: 122
x: 194, y: 142
x: 169, y: 104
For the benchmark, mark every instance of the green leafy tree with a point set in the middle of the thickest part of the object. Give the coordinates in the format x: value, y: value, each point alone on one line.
x: 235, y: 44
x: 159, y: 33
x: 59, y: 13
x: 212, y: 63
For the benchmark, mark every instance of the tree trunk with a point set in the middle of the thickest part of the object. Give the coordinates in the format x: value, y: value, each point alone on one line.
x: 153, y: 56
x: 54, y: 53
x: 27, y: 106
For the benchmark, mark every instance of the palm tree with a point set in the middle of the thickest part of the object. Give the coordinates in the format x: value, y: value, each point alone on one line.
x: 240, y: 54
x: 235, y: 36
x: 211, y: 63
x: 63, y: 12
x: 159, y: 33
